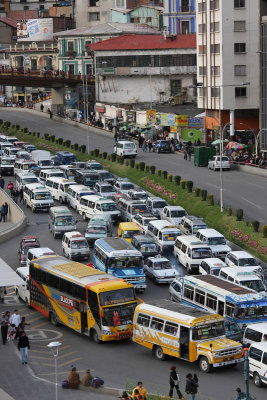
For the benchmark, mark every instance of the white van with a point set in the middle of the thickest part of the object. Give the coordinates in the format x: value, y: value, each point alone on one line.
x: 49, y: 173
x: 37, y: 197
x: 11, y: 152
x: 257, y: 357
x: 215, y: 240
x: 37, y: 253
x: 23, y: 291
x: 125, y: 148
x: 24, y: 166
x: 3, y: 146
x: 60, y: 221
x: 164, y: 234
x: 6, y: 165
x: 75, y: 192
x: 75, y: 246
x: 59, y: 188
x: 25, y: 178
x: 42, y: 158
x: 242, y: 259
x: 211, y: 266
x: 243, y: 276
x: 255, y: 333
x: 90, y: 205
x: 190, y: 252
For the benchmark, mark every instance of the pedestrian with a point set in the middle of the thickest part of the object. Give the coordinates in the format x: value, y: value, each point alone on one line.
x: 15, y: 195
x: 4, y: 326
x: 87, y: 378
x: 2, y: 213
x: 73, y: 379
x: 185, y: 154
x: 42, y: 107
x: 6, y: 208
x: 240, y: 395
x: 115, y: 137
x: 125, y: 396
x: 21, y: 195
x: 10, y: 187
x: 15, y: 318
x: 189, y: 153
x: 137, y: 395
x: 174, y: 383
x: 191, y: 385
x: 141, y: 391
x: 21, y: 327
x: 150, y: 145
x: 2, y: 293
x: 24, y: 346
x: 144, y: 147
x: 2, y: 182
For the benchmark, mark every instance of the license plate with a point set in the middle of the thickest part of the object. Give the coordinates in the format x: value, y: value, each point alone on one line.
x: 170, y: 238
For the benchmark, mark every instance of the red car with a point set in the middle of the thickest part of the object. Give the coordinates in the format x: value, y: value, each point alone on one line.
x: 27, y: 242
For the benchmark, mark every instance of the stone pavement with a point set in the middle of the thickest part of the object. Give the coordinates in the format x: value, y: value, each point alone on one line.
x: 19, y: 382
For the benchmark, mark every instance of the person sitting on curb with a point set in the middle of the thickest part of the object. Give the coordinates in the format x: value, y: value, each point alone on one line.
x: 126, y: 396
x: 87, y: 378
x: 73, y: 379
x: 141, y: 391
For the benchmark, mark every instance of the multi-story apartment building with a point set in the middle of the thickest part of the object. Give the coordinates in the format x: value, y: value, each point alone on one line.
x: 16, y: 5
x: 228, y: 63
x: 179, y: 16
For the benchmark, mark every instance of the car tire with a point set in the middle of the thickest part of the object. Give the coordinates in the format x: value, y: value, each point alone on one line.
x: 53, y: 319
x: 257, y: 379
x: 94, y: 336
x: 158, y: 353
x: 84, y: 216
x: 204, y: 364
x: 154, y: 280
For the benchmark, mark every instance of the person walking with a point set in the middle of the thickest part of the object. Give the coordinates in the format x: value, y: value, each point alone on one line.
x: 15, y: 195
x: 21, y: 327
x: 6, y: 208
x: 21, y: 195
x: 2, y: 293
x: 15, y: 318
x: 2, y: 213
x: 150, y: 145
x: 174, y: 383
x: 42, y: 107
x: 4, y: 326
x: 240, y: 395
x: 10, y: 187
x: 24, y: 346
x: 189, y: 153
x: 185, y: 154
x: 191, y: 385
x: 2, y: 182
x: 141, y: 391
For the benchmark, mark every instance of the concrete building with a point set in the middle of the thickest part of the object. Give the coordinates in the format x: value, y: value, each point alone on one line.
x: 92, y: 12
x: 263, y: 78
x: 149, y: 15
x: 145, y: 70
x: 8, y: 31
x: 13, y: 5
x: 179, y: 17
x: 228, y: 66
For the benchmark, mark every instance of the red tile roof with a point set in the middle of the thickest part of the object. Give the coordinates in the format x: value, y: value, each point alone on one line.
x: 9, y: 21
x: 145, y: 42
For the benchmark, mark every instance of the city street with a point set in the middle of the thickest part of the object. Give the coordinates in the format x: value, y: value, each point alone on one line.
x: 241, y: 190
x: 119, y: 363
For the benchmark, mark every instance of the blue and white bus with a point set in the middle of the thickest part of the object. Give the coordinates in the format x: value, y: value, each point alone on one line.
x: 211, y: 293
x: 119, y: 258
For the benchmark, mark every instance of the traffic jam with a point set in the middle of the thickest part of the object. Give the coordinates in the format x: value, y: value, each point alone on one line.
x: 216, y: 303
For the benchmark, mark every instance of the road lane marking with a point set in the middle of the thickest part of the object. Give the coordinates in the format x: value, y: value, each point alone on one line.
x: 250, y: 202
x: 35, y: 319
x: 70, y: 362
x: 37, y: 363
x: 210, y: 184
x: 42, y: 324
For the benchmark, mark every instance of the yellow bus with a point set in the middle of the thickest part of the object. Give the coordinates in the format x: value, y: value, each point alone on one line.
x: 83, y: 298
x: 170, y: 329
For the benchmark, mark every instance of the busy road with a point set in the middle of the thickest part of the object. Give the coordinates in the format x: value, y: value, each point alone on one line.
x: 119, y: 363
x: 241, y: 190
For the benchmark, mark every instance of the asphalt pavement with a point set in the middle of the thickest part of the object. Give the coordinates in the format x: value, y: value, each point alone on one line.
x: 241, y: 190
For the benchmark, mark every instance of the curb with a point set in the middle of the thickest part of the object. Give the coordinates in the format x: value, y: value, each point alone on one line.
x: 5, y: 396
x: 18, y: 227
x: 102, y: 390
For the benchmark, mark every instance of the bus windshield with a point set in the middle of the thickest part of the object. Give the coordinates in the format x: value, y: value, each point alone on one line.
x: 250, y: 312
x: 116, y: 296
x: 171, y: 236
x: 255, y: 284
x: 78, y: 244
x: 25, y: 181
x: 108, y: 207
x: 126, y: 262
x: 201, y: 253
x: 43, y: 196
x: 208, y: 331
x: 215, y: 241
x: 65, y: 221
x: 118, y: 315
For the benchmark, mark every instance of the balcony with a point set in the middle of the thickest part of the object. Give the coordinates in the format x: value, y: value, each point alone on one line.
x: 70, y: 54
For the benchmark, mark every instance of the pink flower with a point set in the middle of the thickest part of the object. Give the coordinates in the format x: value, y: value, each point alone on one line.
x: 160, y: 190
x: 253, y: 243
x: 172, y: 196
x: 262, y: 250
x: 235, y: 233
x: 243, y: 238
x: 166, y: 193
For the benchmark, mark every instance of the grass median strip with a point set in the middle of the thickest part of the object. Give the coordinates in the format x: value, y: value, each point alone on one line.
x: 174, y: 190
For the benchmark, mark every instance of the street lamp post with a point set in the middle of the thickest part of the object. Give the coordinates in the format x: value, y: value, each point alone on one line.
x: 255, y: 135
x: 54, y: 346
x: 221, y: 156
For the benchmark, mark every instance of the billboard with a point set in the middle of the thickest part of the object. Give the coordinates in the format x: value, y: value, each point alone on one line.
x: 181, y: 120
x: 33, y: 30
x: 151, y: 117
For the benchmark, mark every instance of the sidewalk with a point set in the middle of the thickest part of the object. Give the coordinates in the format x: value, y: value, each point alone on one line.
x: 18, y: 381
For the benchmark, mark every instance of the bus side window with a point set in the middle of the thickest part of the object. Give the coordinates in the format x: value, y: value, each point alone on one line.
x: 157, y: 324
x: 143, y: 320
x: 171, y: 328
x: 183, y: 248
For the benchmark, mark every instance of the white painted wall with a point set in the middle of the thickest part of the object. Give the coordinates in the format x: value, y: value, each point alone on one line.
x: 82, y: 10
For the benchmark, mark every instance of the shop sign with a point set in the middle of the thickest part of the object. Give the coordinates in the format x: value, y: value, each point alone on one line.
x: 131, y: 116
x: 181, y: 120
x: 164, y: 119
x: 100, y: 109
x: 195, y: 123
x: 151, y: 117
x: 171, y: 119
x: 173, y: 129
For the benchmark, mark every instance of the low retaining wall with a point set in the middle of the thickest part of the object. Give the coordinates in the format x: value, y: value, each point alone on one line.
x: 252, y: 170
x: 15, y: 215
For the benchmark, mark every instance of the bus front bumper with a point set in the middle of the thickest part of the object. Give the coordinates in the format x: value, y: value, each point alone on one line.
x: 228, y: 362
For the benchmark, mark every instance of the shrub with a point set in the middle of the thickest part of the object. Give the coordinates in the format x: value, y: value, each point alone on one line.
x: 177, y: 180
x: 17, y: 127
x: 118, y: 158
x: 100, y: 155
x: 264, y: 231
x: 68, y: 143
x: 165, y: 174
x: 8, y: 123
x: 109, y: 157
x: 105, y: 154
x: 113, y: 157
x: 83, y: 148
x: 137, y: 165
x: 56, y: 141
x: 159, y: 172
x: 255, y: 225
x: 25, y: 130
x: 1, y: 122
x: 53, y: 138
x: 46, y: 136
x: 38, y: 134
x: 204, y: 194
x: 211, y: 199
x: 97, y: 151
x: 147, y: 168
x: 182, y: 183
x: 92, y: 152
x: 239, y: 214
x: 60, y: 140
x: 126, y: 162
x: 121, y: 160
x: 229, y: 211
x: 197, y: 191
x: 132, y: 163
x: 76, y: 146
x: 142, y: 166
x: 152, y: 169
x: 33, y: 133
x: 189, y: 185
x: 170, y: 177
x: 71, y: 146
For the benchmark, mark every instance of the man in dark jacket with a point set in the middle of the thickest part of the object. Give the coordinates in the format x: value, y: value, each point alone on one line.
x: 24, y: 346
x: 2, y: 182
x: 191, y: 385
x: 174, y: 382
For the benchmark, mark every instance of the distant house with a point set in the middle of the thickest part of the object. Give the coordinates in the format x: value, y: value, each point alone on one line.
x: 149, y: 15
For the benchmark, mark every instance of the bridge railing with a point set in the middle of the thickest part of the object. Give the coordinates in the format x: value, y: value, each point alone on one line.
x: 50, y: 74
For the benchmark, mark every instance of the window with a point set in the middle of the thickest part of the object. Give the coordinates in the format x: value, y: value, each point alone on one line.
x: 185, y: 27
x: 211, y: 302
x: 25, y: 8
x: 66, y: 286
x: 93, y: 3
x: 215, y: 26
x: 215, y: 70
x: 40, y: 276
x: 120, y: 4
x: 240, y: 48
x: 255, y: 354
x: 200, y: 297
x: 201, y: 7
x: 264, y: 359
x: 202, y: 49
x: 201, y: 28
x: 93, y: 16
x: 240, y: 92
x: 215, y: 48
x: 214, y: 4
x: 202, y: 71
x: 171, y: 328
x: 157, y: 324
x: 215, y: 92
x: 252, y: 335
x: 240, y: 70
x: 53, y: 281
x: 70, y: 45
x: 239, y: 3
x: 240, y: 26
x: 148, y: 19
x: 176, y: 87
x: 143, y: 320
x: 188, y: 292
x: 202, y: 91
x: 229, y: 310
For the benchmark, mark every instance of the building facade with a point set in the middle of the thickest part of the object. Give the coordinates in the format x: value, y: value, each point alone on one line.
x: 149, y: 15
x: 179, y: 16
x: 89, y: 13
x: 228, y: 63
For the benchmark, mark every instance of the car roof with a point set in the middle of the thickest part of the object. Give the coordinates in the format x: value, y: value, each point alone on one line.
x: 260, y: 345
x: 213, y: 261
x: 210, y: 232
x: 23, y: 270
x: 40, y: 251
x: 175, y: 208
x: 157, y: 258
x: 129, y: 225
x: 74, y: 235
x: 241, y: 254
x: 143, y: 238
x: 259, y: 326
x: 246, y: 273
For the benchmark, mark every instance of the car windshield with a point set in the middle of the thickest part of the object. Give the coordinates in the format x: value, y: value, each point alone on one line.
x: 137, y: 196
x: 105, y: 175
x: 13, y: 151
x: 197, y: 227
x: 95, y: 166
x: 129, y: 145
x: 159, y: 204
x: 108, y: 207
x: 215, y: 241
x: 6, y: 162
x: 43, y: 196
x: 232, y: 327
x: 178, y: 213
x: 139, y: 208
x: 78, y: 244
x: 201, y: 253
x: 97, y: 230
x: 45, y: 163
x: 255, y: 284
x: 170, y: 236
x: 208, y: 331
x: 28, y: 166
x: 162, y: 265
x: 70, y: 159
x: 65, y: 221
x: 25, y: 156
x: 127, y: 186
x: 107, y: 189
x: 57, y: 174
x: 130, y: 234
x: 215, y: 271
x: 25, y: 181
x: 126, y: 262
x: 247, y: 262
x: 148, y: 247
x: 246, y: 312
x: 116, y: 316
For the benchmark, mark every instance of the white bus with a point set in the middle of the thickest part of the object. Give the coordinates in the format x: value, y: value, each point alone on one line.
x: 37, y: 197
x: 25, y: 178
x: 59, y: 188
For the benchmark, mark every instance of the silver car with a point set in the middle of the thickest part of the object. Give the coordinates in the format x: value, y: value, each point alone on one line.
x: 160, y: 270
x: 215, y: 163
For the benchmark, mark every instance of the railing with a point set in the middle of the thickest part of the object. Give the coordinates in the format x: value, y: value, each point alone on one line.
x: 70, y: 54
x: 19, y: 71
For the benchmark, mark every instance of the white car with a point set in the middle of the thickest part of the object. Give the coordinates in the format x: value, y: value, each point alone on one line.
x: 123, y: 186
x: 104, y: 189
x: 257, y: 358
x: 75, y: 246
x: 23, y: 291
x: 125, y: 148
x: 137, y: 194
x: 215, y: 240
x: 142, y: 220
x: 211, y: 266
x: 160, y: 270
x: 215, y: 163
x: 173, y: 214
x: 243, y: 259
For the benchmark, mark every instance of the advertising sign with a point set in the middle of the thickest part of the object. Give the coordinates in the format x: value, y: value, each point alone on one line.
x: 181, y: 120
x: 35, y: 30
x: 196, y: 123
x: 171, y: 119
x: 173, y: 129
x: 164, y: 119
x: 191, y: 135
x: 131, y: 116
x: 151, y: 117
